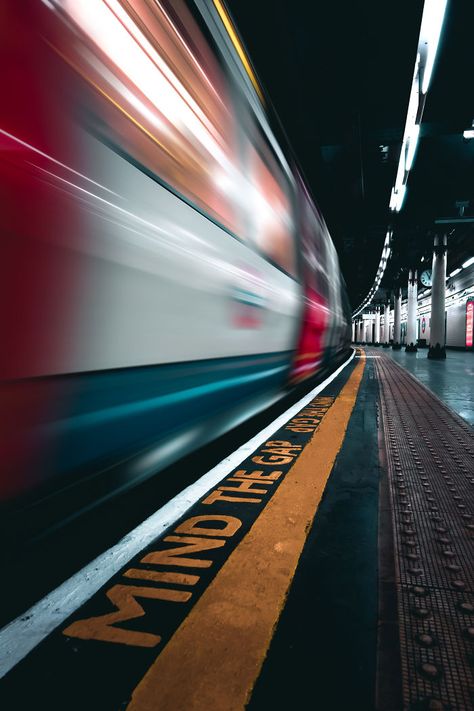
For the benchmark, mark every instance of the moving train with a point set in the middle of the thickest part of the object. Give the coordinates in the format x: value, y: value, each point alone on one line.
x: 165, y: 271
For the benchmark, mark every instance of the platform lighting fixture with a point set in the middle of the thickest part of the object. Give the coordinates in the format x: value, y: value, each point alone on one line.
x: 428, y: 42
x: 398, y: 197
x: 385, y: 256
x: 468, y: 263
x: 411, y: 146
x: 430, y: 34
x: 469, y: 132
x: 455, y: 299
x: 455, y: 271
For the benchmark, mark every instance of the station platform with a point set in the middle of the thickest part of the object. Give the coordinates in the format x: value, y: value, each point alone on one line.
x: 328, y: 565
x: 452, y: 380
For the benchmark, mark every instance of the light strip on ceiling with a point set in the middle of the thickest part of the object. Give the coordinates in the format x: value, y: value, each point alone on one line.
x: 428, y: 42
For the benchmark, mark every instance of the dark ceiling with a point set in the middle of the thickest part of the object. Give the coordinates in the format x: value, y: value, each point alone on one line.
x: 338, y: 75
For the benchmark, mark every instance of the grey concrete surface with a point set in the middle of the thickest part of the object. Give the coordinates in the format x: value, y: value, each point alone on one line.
x: 452, y: 380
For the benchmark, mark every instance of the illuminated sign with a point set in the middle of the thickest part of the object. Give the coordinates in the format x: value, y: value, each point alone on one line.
x: 469, y: 323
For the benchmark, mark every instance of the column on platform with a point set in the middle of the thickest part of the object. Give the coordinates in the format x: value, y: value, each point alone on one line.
x: 353, y: 332
x: 437, y: 349
x: 370, y: 330
x: 411, y: 312
x: 397, y: 323
x: 386, y: 338
x: 361, y: 330
x: 377, y: 325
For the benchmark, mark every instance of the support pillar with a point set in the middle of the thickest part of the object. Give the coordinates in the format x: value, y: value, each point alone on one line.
x: 397, y: 325
x: 377, y: 325
x: 370, y: 325
x: 361, y: 330
x: 411, y: 346
x: 368, y: 331
x: 437, y: 349
x: 353, y: 332
x: 386, y: 325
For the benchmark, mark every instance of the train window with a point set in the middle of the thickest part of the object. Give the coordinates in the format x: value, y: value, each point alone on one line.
x: 161, y: 95
x: 312, y: 240
x: 269, y: 212
x: 158, y: 92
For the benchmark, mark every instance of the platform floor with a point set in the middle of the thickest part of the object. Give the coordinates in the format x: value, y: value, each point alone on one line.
x: 332, y: 568
x: 452, y: 380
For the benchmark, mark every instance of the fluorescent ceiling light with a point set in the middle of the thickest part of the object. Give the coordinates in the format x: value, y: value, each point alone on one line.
x: 400, y: 197
x: 393, y: 199
x: 455, y: 271
x: 468, y: 263
x: 469, y: 133
x: 430, y: 33
x: 411, y: 147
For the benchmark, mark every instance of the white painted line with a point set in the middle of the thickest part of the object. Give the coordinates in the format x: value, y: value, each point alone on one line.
x: 22, y: 635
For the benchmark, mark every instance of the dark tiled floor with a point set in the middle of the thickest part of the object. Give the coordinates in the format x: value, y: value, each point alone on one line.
x: 452, y: 380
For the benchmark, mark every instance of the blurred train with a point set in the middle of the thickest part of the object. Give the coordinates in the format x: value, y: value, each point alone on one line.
x: 165, y: 272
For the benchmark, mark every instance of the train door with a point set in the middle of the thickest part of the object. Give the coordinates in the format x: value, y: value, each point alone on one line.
x: 315, y: 317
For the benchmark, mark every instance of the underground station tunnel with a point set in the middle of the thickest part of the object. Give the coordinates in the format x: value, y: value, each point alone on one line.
x: 236, y: 364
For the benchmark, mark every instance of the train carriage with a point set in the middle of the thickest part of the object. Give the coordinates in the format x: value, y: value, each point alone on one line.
x: 166, y: 273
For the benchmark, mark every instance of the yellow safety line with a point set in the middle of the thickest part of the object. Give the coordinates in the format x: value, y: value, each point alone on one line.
x: 214, y: 658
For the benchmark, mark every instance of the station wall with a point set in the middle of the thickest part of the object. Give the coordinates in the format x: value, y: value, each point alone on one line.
x: 456, y: 325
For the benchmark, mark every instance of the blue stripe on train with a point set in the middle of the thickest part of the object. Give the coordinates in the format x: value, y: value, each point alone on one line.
x: 111, y: 414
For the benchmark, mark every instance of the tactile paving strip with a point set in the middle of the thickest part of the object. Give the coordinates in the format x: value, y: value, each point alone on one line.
x: 430, y: 461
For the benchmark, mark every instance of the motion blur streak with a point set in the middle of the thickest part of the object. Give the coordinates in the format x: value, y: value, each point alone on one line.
x: 44, y: 155
x: 238, y: 46
x: 124, y: 411
x: 112, y: 30
x: 165, y: 272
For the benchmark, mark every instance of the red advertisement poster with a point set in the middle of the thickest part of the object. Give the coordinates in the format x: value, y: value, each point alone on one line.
x: 469, y: 323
